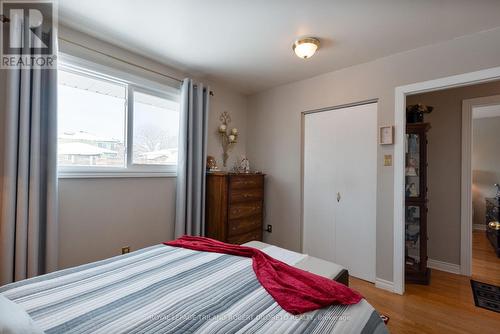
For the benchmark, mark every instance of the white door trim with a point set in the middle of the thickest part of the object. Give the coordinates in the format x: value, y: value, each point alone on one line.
x: 399, y: 154
x: 466, y: 189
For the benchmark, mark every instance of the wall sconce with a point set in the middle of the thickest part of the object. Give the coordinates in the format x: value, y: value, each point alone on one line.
x: 228, y: 138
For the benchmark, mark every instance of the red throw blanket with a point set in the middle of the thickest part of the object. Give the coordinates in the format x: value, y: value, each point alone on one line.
x: 295, y: 290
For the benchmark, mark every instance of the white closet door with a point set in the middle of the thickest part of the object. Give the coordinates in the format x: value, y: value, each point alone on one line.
x: 340, y: 177
x: 319, y: 215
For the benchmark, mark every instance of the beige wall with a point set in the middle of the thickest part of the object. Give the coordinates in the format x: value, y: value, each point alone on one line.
x: 236, y: 105
x: 444, y: 171
x: 99, y: 216
x: 274, y: 126
x: 485, y: 164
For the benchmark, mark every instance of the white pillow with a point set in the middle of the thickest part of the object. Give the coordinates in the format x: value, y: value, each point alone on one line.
x: 15, y: 320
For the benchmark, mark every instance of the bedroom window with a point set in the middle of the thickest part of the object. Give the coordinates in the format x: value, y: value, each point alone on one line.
x: 113, y: 127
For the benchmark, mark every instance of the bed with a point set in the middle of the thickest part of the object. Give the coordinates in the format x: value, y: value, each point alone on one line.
x: 305, y: 262
x: 163, y: 289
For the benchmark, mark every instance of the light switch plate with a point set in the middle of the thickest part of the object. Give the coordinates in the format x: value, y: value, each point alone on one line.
x: 388, y: 160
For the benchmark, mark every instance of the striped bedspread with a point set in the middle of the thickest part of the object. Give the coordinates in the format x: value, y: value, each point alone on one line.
x: 163, y: 289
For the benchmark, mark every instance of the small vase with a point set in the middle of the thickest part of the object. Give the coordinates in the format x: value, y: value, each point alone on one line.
x: 414, y: 117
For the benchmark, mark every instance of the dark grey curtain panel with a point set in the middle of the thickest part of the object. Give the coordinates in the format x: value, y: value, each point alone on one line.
x: 190, y: 197
x: 28, y: 225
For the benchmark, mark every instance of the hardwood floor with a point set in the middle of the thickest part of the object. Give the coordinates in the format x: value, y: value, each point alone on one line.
x: 444, y: 306
x: 485, y: 263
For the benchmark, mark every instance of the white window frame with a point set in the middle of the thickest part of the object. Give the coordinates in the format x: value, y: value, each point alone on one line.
x: 132, y: 84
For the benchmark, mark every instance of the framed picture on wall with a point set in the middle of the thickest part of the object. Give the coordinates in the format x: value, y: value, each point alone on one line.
x: 386, y: 135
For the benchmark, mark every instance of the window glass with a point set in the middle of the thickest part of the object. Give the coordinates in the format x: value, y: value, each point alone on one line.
x: 155, y: 129
x: 91, y: 121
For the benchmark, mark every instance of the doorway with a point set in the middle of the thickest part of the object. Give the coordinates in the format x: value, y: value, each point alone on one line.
x: 436, y: 231
x: 484, y: 117
x: 339, y: 187
x: 401, y: 94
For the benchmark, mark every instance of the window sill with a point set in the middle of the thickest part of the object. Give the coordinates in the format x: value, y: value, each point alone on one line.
x: 111, y: 175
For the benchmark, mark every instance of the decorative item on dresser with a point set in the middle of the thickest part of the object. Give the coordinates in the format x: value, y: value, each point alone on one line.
x: 234, y: 207
x: 416, y: 270
x: 211, y: 164
x: 493, y: 223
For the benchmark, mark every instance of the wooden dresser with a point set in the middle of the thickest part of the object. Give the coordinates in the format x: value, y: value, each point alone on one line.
x: 234, y: 207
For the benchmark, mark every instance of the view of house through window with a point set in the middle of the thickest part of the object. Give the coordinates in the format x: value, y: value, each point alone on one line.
x: 156, y: 128
x: 91, y: 121
x: 92, y: 124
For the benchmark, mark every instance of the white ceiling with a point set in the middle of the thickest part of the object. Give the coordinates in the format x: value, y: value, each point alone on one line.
x: 248, y: 43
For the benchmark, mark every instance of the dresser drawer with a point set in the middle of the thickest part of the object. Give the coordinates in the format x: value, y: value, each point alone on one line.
x: 244, y: 195
x: 244, y: 225
x: 245, y: 209
x: 246, y: 181
x: 245, y: 237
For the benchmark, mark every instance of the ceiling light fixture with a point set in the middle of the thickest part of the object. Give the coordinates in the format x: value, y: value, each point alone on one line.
x: 306, y: 47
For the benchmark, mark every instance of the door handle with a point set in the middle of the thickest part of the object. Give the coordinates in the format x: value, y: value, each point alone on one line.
x: 338, y: 197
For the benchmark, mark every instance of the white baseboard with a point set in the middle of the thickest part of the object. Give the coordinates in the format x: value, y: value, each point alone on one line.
x: 384, y: 284
x: 479, y: 227
x: 444, y: 266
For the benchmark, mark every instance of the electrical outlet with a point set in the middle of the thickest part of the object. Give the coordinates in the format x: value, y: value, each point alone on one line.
x: 269, y: 228
x: 126, y: 250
